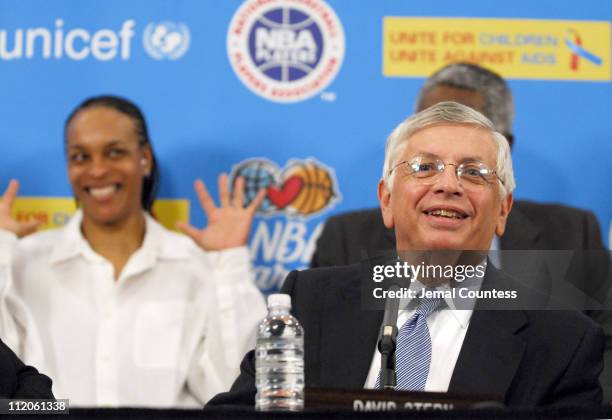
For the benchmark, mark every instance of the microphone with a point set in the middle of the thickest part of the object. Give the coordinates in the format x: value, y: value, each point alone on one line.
x: 387, y: 339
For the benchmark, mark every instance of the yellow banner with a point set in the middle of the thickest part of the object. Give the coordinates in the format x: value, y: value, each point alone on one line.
x: 514, y: 48
x: 55, y: 211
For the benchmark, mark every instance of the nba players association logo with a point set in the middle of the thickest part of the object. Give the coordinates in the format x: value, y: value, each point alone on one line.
x: 285, y: 50
x: 303, y: 188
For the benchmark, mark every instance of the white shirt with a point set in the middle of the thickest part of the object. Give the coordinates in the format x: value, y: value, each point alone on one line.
x: 171, y: 331
x: 447, y: 328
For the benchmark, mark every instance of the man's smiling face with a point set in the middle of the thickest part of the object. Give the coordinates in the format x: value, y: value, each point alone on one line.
x: 445, y: 212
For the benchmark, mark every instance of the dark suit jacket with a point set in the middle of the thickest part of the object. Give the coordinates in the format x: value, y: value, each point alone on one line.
x: 530, y: 358
x: 348, y: 238
x: 20, y: 381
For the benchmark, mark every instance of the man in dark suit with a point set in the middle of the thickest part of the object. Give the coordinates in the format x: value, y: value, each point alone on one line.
x: 447, y: 185
x: 20, y: 381
x: 349, y: 237
x: 529, y: 358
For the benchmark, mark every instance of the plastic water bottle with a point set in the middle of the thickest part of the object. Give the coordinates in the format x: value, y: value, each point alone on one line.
x: 279, y: 359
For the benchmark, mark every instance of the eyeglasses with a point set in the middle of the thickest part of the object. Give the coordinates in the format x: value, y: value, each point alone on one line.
x: 428, y: 170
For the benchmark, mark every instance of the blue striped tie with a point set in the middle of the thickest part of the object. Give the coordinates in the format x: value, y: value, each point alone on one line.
x: 413, y: 354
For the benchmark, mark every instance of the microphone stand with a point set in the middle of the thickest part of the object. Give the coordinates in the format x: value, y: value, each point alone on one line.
x: 387, y: 341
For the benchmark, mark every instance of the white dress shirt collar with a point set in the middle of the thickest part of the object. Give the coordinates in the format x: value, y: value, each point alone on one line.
x: 72, y: 243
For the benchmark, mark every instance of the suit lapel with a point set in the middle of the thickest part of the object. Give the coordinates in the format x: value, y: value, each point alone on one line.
x: 491, y: 351
x: 490, y: 354
x: 348, y: 339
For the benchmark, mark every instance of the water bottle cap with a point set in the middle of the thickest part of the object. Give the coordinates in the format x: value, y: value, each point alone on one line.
x: 279, y: 299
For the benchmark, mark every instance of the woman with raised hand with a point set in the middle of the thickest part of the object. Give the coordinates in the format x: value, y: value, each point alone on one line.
x: 125, y: 312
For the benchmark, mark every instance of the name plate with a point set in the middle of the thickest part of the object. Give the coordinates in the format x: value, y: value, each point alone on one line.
x: 387, y: 400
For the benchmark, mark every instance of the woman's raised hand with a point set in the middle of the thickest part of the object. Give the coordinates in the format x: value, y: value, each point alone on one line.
x: 7, y: 222
x: 230, y: 223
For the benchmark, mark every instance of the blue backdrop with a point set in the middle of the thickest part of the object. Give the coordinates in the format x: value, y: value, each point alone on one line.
x: 173, y: 61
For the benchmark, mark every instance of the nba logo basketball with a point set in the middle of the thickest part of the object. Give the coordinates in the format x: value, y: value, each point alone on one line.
x: 304, y: 188
x: 285, y: 51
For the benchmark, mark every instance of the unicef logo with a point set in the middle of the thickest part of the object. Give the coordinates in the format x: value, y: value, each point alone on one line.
x: 285, y: 51
x: 166, y: 40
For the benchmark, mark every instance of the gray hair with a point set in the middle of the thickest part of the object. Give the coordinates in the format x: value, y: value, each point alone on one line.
x: 449, y: 113
x: 499, y: 107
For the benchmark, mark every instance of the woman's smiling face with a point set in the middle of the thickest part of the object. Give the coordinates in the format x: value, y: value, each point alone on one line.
x: 106, y: 164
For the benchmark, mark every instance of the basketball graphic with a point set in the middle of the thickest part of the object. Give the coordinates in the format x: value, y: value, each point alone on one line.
x: 304, y: 188
x: 317, y: 187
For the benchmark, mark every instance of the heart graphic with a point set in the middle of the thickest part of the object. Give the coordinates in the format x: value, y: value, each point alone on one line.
x: 284, y: 196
